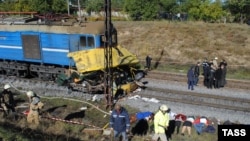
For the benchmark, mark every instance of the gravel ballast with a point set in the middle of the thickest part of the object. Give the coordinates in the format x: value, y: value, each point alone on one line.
x: 152, y: 104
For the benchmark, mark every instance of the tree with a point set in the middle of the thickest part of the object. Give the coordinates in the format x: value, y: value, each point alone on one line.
x: 94, y: 5
x: 40, y: 6
x: 211, y: 11
x: 59, y: 6
x: 168, y: 6
x: 117, y: 4
x: 204, y: 10
x: 142, y: 9
x: 239, y: 8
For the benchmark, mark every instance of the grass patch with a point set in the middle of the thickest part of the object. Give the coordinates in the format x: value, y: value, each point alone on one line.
x: 239, y: 73
x: 184, y: 43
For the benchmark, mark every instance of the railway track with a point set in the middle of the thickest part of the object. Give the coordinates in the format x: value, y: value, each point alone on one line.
x: 165, y: 94
x: 42, y: 88
x: 195, y: 98
x: 231, y: 83
x: 199, y: 98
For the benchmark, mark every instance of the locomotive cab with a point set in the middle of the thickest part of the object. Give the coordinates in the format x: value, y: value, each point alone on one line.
x: 52, y: 52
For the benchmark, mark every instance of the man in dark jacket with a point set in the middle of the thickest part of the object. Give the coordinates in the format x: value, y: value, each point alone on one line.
x: 190, y: 76
x: 223, y: 66
x: 196, y: 73
x: 206, y: 69
x: 148, y: 62
x: 7, y: 100
x: 119, y: 122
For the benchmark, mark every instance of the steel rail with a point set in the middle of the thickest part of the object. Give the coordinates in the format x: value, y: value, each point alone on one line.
x: 231, y: 83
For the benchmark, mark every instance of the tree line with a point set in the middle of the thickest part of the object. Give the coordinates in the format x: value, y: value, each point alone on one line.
x: 138, y: 10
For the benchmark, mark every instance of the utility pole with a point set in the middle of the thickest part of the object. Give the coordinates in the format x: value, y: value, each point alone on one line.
x: 80, y: 13
x: 68, y: 7
x: 108, y: 76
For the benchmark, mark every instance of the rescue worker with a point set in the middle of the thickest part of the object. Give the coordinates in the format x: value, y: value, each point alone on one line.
x: 119, y: 122
x: 7, y: 100
x: 35, y: 107
x: 161, y: 122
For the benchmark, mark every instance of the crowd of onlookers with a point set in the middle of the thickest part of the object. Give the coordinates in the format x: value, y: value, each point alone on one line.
x: 214, y: 74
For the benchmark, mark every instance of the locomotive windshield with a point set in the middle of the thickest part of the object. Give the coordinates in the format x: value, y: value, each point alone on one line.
x: 113, y: 40
x: 87, y: 42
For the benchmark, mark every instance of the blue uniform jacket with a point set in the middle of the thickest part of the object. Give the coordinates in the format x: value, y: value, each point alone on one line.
x: 190, y: 74
x: 120, y: 121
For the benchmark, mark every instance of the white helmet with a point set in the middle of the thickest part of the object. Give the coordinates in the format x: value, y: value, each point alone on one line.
x: 35, y: 100
x: 164, y: 107
x: 6, y: 86
x: 30, y: 93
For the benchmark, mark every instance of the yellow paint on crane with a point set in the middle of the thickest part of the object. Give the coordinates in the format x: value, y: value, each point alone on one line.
x: 92, y: 60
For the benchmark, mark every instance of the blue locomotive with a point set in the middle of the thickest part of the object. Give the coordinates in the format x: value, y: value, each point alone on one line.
x: 30, y: 48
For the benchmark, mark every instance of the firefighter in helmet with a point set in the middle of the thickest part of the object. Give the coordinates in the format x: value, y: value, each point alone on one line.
x: 7, y: 100
x: 35, y: 108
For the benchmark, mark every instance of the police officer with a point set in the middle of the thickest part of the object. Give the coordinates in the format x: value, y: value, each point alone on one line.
x: 35, y: 108
x: 7, y: 100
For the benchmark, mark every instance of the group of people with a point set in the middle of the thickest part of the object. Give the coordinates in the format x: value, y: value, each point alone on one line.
x: 214, y: 74
x: 164, y: 122
x: 120, y: 122
x: 8, y: 105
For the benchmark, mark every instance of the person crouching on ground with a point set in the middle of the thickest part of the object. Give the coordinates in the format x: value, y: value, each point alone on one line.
x: 119, y: 122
